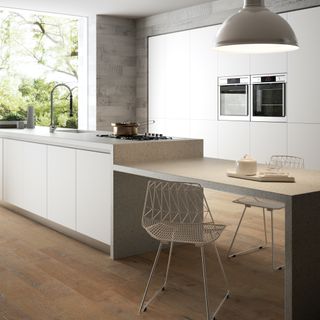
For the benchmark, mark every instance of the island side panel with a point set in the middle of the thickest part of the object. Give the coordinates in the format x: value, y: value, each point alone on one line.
x: 129, y: 238
x: 158, y: 150
x: 305, y: 263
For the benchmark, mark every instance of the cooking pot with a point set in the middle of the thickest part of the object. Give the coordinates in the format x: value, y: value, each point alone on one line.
x: 127, y: 128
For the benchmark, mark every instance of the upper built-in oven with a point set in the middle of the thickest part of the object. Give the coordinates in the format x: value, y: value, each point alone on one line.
x: 268, y: 101
x: 233, y: 101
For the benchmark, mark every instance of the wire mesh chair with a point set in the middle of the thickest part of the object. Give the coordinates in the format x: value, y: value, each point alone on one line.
x: 276, y: 162
x: 176, y: 212
x: 280, y: 161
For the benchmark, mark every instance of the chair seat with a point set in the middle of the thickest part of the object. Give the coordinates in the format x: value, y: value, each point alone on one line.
x: 260, y: 203
x: 195, y: 233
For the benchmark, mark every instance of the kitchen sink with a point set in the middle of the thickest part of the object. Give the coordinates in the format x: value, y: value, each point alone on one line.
x: 66, y: 130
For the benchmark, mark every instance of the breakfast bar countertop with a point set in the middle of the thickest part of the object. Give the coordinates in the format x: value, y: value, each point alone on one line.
x: 212, y: 173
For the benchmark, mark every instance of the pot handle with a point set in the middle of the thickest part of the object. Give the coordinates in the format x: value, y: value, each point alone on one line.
x: 145, y: 123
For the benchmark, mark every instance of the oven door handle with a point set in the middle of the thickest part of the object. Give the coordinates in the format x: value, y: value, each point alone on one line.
x: 284, y: 99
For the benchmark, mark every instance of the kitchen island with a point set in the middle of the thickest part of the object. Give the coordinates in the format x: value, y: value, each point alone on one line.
x: 302, y: 217
x: 64, y: 180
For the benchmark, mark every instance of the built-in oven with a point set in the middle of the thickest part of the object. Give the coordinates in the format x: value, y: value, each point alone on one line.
x: 268, y: 98
x: 233, y: 98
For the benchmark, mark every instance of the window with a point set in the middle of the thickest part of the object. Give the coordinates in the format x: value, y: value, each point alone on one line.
x: 38, y: 51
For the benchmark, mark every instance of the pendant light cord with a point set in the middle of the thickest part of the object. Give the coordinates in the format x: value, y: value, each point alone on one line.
x: 253, y: 3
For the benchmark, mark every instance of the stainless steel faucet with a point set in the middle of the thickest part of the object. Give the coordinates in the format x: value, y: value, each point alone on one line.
x: 52, y: 123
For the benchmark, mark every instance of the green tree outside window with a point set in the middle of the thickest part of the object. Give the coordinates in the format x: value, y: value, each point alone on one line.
x: 36, y: 52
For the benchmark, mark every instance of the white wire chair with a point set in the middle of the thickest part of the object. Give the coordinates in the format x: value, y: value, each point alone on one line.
x: 276, y: 162
x: 176, y: 212
x: 280, y: 161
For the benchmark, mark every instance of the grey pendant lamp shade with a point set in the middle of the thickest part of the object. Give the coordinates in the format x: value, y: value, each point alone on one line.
x: 255, y: 29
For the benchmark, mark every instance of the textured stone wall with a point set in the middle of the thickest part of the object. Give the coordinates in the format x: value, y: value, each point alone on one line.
x: 116, y: 70
x: 210, y: 13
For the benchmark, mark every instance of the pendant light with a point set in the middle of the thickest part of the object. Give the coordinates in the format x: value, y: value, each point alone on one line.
x: 255, y: 29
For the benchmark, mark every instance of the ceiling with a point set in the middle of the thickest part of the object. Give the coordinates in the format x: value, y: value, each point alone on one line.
x: 127, y: 8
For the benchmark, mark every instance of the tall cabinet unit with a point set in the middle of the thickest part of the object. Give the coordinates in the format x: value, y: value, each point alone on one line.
x: 183, y: 85
x: 157, y: 82
x: 303, y: 88
x: 169, y: 84
x: 94, y: 195
x: 203, y: 88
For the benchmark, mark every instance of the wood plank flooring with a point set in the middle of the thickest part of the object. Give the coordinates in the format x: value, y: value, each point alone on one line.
x: 47, y: 276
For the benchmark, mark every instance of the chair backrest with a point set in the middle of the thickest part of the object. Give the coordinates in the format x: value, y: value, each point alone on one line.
x: 174, y: 202
x: 285, y: 161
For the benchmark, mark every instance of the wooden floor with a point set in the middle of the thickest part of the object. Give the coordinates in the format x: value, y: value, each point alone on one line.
x: 45, y: 275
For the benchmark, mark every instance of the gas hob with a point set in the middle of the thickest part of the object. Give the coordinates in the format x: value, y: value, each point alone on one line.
x: 138, y: 137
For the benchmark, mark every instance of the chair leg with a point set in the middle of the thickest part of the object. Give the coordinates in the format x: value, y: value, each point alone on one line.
x: 233, y: 255
x: 235, y: 234
x: 227, y: 294
x: 265, y: 227
x: 143, y: 305
x: 222, y: 268
x: 274, y: 267
x: 210, y: 316
x: 168, y: 266
x: 205, y: 286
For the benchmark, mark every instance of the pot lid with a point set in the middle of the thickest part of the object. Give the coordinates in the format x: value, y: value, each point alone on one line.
x: 125, y: 124
x: 247, y: 158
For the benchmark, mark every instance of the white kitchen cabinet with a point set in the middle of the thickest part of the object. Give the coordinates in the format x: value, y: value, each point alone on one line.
x: 271, y: 62
x: 304, y: 141
x: 233, y: 64
x: 179, y: 128
x: 94, y: 195
x: 157, y: 76
x: 13, y: 172
x: 304, y: 67
x: 25, y: 175
x: 177, y: 82
x: 208, y: 131
x: 233, y: 140
x: 267, y: 139
x: 203, y: 73
x: 62, y: 186
x: 35, y: 178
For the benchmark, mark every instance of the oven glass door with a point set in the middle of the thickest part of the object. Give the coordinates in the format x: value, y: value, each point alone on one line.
x: 234, y: 100
x: 268, y: 100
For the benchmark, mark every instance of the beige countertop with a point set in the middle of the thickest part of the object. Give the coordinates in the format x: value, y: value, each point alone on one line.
x: 211, y: 173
